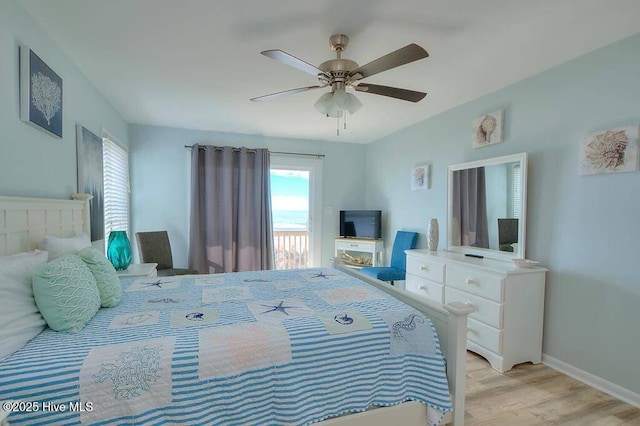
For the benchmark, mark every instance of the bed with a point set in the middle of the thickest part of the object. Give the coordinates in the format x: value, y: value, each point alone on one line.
x: 285, y: 347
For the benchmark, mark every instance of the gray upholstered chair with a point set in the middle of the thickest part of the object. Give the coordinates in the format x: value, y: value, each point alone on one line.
x: 154, y: 247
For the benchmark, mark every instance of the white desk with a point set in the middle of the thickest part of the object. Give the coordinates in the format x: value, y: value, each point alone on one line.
x: 140, y: 270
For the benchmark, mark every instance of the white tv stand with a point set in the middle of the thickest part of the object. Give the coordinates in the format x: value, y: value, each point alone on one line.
x: 368, y: 249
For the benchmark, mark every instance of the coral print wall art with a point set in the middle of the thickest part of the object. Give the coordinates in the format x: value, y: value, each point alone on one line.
x: 611, y: 151
x: 420, y: 177
x: 40, y: 94
x: 487, y: 129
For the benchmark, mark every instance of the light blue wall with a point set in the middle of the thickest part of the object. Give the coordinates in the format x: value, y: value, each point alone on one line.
x: 33, y: 163
x: 160, y: 180
x: 585, y: 229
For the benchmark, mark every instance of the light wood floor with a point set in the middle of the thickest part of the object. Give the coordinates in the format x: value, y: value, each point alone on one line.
x: 537, y: 395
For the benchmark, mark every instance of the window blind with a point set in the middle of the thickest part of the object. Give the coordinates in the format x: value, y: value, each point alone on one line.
x: 517, y: 191
x: 116, y: 187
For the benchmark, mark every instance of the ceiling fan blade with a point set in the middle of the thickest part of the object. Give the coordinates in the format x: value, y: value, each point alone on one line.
x: 285, y: 93
x: 284, y: 57
x: 392, y: 92
x: 405, y: 55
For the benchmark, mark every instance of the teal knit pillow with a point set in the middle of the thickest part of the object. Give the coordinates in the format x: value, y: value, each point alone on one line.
x: 66, y: 293
x: 105, y: 275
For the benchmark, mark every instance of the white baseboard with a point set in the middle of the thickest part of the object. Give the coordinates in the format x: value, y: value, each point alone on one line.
x: 599, y: 383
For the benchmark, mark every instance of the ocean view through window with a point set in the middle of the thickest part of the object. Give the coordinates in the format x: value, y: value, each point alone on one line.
x: 290, y: 212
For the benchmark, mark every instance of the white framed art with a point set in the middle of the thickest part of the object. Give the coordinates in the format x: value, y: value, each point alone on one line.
x: 420, y: 177
x: 610, y: 151
x: 487, y: 130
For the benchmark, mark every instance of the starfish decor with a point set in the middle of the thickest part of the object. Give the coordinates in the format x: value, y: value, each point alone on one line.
x: 321, y: 275
x: 278, y: 307
x: 155, y: 284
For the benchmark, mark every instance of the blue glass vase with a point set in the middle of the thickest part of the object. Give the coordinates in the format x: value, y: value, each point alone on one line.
x: 119, y: 250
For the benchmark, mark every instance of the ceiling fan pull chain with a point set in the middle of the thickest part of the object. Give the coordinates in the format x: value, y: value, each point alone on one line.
x: 345, y: 120
x: 338, y: 126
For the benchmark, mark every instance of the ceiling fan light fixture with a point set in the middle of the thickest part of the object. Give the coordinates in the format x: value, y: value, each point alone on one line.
x: 340, y: 99
x: 353, y: 104
x: 324, y: 103
x: 340, y: 73
x: 334, y: 104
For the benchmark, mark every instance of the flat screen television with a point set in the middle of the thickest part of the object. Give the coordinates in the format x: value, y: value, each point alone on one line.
x: 361, y: 223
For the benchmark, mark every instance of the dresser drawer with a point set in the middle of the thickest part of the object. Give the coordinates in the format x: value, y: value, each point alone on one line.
x: 475, y: 281
x: 425, y: 268
x: 484, y: 335
x: 424, y: 288
x: 355, y: 245
x: 484, y: 309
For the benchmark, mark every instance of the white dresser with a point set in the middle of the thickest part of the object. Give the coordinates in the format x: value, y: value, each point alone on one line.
x: 506, y: 324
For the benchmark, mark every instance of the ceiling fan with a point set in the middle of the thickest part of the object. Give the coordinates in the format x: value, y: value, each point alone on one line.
x: 341, y: 73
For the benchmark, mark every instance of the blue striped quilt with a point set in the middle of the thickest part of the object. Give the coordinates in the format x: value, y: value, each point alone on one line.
x: 270, y: 347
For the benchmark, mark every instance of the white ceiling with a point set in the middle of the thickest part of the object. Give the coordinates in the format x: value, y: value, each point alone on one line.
x: 195, y: 63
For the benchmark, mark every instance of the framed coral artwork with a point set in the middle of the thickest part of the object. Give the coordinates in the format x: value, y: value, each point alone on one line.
x: 487, y: 129
x: 40, y: 94
x: 420, y: 177
x: 611, y: 151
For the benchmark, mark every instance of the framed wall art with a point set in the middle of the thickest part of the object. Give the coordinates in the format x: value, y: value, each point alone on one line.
x: 40, y: 94
x: 611, y: 151
x: 420, y: 177
x: 90, y: 178
x: 487, y: 130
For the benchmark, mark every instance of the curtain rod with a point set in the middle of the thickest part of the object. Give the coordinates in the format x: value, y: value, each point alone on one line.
x: 270, y: 152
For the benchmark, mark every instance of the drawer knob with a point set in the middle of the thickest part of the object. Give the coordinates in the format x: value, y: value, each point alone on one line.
x: 424, y: 268
x: 423, y: 287
x: 470, y: 281
x: 470, y: 330
x: 469, y: 304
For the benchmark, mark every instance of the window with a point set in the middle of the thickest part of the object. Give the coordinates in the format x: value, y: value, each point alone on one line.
x: 116, y: 187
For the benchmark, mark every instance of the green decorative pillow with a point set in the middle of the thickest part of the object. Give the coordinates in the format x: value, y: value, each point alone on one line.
x: 66, y: 293
x: 105, y: 275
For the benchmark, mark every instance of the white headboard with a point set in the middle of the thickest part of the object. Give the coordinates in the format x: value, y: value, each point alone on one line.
x: 24, y: 222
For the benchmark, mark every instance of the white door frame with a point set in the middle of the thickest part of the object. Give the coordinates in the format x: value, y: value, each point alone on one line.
x: 314, y: 166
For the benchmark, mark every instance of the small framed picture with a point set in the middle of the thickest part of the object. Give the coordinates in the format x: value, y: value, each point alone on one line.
x: 40, y: 94
x: 420, y: 177
x: 611, y: 151
x: 487, y: 130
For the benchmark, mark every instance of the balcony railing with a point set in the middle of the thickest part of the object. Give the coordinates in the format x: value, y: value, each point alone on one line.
x: 291, y: 249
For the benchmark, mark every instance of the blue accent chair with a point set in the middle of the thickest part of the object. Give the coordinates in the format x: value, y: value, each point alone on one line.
x: 397, y: 270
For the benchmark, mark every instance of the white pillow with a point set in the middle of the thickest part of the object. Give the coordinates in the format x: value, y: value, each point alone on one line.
x: 20, y: 320
x: 57, y: 246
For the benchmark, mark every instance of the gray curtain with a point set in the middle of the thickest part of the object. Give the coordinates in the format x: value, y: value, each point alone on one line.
x: 469, y: 205
x: 231, y: 226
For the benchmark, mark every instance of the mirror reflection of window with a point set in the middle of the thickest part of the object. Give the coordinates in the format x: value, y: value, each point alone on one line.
x: 516, y: 190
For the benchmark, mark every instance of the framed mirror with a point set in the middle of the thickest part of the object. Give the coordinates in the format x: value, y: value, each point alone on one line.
x: 487, y: 205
